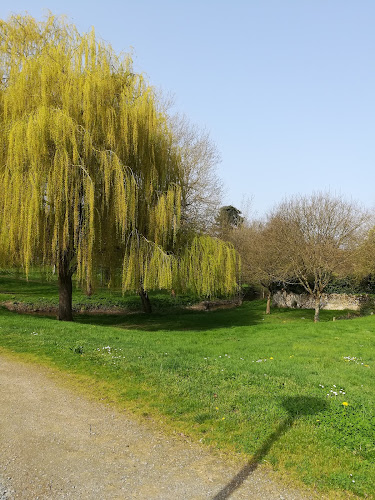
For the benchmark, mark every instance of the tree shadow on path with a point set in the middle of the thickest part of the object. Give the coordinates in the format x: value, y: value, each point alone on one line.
x: 297, y: 407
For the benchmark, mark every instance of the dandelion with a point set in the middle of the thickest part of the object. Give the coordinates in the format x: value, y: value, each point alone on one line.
x: 223, y: 418
x: 271, y: 357
x: 345, y: 403
x: 216, y: 408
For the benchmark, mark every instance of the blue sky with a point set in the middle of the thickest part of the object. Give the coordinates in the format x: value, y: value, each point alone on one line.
x: 285, y: 87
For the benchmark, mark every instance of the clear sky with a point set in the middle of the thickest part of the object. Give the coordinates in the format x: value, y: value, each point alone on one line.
x: 285, y: 87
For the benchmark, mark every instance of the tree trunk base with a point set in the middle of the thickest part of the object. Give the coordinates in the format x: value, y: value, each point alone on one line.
x: 317, y: 310
x: 268, y: 306
x: 146, y: 304
x: 65, y: 294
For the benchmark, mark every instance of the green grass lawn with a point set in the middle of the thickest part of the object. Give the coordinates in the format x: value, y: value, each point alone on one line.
x: 270, y: 387
x: 41, y: 292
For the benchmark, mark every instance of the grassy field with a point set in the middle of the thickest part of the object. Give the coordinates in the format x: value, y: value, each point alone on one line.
x: 293, y: 394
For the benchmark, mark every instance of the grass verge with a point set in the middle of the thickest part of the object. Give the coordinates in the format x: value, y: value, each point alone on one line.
x: 296, y: 395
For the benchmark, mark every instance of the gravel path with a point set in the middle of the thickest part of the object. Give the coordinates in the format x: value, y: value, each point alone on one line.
x: 57, y: 445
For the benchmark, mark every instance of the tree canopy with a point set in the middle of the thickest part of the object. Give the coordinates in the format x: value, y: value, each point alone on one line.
x: 227, y: 219
x: 90, y: 173
x: 317, y: 235
x: 202, y: 190
x: 263, y: 261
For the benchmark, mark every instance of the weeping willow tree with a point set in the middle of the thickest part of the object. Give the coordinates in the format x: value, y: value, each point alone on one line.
x: 89, y: 168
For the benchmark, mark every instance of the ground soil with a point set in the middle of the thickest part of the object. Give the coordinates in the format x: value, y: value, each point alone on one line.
x: 55, y: 444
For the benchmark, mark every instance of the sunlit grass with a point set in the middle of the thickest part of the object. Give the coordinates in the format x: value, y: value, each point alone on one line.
x: 269, y: 386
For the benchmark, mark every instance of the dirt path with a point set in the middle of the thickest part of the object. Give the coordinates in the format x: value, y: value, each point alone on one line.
x: 55, y: 445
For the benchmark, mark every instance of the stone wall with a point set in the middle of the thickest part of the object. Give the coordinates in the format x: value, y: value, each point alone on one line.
x: 333, y: 301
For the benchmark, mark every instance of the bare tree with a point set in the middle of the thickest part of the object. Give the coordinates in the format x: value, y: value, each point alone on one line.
x: 317, y: 236
x: 365, y: 255
x: 202, y: 189
x: 263, y: 261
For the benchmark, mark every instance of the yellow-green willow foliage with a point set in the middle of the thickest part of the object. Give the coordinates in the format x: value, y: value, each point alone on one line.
x: 210, y: 267
x: 146, y: 263
x: 86, y: 158
x: 89, y: 170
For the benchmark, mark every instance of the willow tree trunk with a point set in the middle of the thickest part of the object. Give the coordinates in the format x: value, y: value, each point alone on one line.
x: 65, y: 292
x: 146, y: 304
x: 317, y: 309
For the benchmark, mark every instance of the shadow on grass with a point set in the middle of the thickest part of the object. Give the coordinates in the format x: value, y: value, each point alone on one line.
x: 177, y: 319
x: 297, y: 407
x: 180, y: 319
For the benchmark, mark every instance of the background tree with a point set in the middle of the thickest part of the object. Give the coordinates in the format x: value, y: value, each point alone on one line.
x: 317, y: 236
x: 201, y: 188
x: 366, y: 252
x: 227, y: 219
x: 90, y: 172
x: 263, y: 261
